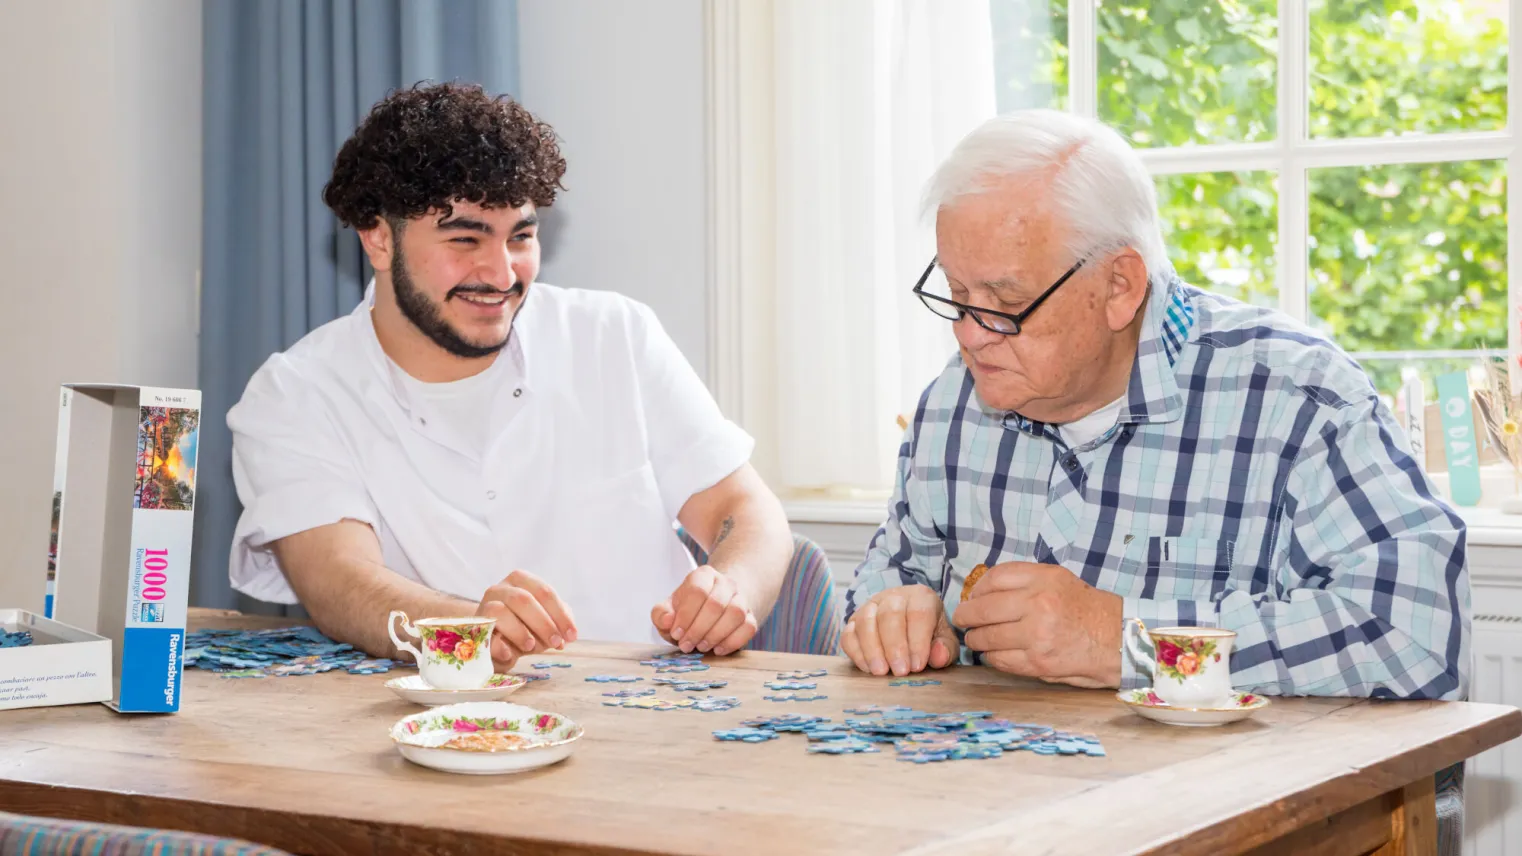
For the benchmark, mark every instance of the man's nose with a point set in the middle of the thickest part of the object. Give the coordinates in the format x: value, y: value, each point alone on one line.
x: 972, y: 335
x: 496, y: 269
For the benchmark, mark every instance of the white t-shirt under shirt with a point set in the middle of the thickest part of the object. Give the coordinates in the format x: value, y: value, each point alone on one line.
x: 464, y: 405
x: 1086, y: 429
x: 596, y: 432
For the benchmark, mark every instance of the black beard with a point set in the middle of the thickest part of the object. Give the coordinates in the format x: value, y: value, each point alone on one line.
x: 425, y: 315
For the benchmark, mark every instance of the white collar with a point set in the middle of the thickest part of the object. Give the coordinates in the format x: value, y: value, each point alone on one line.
x: 391, y: 373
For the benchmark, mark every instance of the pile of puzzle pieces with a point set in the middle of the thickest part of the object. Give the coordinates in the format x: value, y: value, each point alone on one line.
x: 676, y: 662
x: 708, y: 704
x: 917, y: 736
x: 281, y: 652
x: 15, y: 638
x: 667, y: 668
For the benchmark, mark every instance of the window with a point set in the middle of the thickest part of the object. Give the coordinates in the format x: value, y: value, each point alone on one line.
x: 1343, y: 160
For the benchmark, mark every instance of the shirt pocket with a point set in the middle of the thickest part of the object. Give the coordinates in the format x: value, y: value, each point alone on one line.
x: 1167, y: 567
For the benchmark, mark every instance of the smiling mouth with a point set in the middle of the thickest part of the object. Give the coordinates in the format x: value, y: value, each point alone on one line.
x: 489, y: 298
x: 484, y: 299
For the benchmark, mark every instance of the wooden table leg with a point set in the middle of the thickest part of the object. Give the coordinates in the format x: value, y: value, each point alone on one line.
x: 1413, y: 820
x: 1400, y: 823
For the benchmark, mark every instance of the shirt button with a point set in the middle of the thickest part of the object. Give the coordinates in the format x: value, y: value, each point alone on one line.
x: 422, y: 421
x: 491, y: 494
x: 517, y: 393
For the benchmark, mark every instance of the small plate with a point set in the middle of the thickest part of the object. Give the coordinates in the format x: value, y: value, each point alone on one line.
x: 416, y: 690
x: 485, y: 738
x: 1144, y: 702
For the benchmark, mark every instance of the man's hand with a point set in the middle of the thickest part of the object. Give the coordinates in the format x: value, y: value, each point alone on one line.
x: 530, y: 617
x: 707, y: 612
x: 904, y: 629
x: 1042, y: 621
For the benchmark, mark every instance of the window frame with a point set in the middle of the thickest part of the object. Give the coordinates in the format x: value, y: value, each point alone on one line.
x: 1293, y: 154
x: 741, y: 65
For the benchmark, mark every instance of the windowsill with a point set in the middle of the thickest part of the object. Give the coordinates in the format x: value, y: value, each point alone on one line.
x: 849, y: 511
x: 1487, y: 527
x: 1492, y: 527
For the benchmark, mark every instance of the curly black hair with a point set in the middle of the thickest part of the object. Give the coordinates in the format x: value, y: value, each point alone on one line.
x: 421, y: 148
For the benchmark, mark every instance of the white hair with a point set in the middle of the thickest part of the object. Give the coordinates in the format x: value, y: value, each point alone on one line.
x: 1098, y: 182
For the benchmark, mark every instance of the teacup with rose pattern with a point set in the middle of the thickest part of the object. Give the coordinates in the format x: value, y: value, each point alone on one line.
x: 1190, y: 666
x: 456, y: 652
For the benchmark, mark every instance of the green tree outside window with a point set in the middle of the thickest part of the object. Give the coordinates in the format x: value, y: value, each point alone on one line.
x: 1403, y: 258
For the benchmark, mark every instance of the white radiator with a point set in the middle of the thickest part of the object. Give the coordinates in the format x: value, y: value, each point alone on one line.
x: 1493, y: 781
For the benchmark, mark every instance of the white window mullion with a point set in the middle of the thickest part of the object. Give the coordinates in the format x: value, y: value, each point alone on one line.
x: 1083, y: 58
x: 726, y: 330
x: 1323, y: 154
x: 1513, y: 196
x: 1294, y: 216
x: 1225, y: 157
x: 1407, y: 148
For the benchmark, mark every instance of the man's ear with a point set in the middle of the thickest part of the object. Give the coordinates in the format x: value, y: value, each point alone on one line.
x: 379, y: 242
x: 1128, y: 290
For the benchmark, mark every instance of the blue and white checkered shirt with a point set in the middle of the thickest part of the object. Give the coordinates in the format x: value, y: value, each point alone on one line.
x: 1253, y: 481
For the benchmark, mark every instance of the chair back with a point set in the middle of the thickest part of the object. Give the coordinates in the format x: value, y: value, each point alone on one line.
x: 25, y: 835
x: 809, y: 613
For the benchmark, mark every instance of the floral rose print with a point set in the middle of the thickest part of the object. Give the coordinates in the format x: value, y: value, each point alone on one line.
x: 488, y: 741
x: 532, y: 729
x: 442, y: 640
x: 456, y: 646
x: 1168, y: 651
x: 1180, y: 658
x: 1146, y: 697
x: 471, y: 724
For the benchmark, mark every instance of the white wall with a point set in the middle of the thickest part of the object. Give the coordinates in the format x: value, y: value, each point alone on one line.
x: 623, y: 86
x: 100, y: 229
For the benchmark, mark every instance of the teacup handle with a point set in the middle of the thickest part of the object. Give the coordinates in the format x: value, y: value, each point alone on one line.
x: 1136, y: 641
x: 408, y: 628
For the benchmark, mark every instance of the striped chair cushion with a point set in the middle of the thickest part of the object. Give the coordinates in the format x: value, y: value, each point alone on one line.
x: 1450, y: 810
x: 809, y: 613
x: 22, y: 835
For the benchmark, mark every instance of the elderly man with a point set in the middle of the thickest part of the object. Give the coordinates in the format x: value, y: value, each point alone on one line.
x: 1113, y: 444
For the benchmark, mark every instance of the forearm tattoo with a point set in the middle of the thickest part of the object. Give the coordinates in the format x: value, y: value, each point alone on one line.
x: 724, y: 529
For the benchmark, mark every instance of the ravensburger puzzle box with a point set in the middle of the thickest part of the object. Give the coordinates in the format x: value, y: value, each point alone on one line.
x: 123, y: 501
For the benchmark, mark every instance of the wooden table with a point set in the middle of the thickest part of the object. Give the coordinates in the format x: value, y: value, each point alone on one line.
x: 305, y: 764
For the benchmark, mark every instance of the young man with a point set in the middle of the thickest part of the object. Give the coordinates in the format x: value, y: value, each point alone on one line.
x: 469, y: 441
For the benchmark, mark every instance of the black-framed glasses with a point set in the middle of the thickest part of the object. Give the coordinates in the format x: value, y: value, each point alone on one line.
x: 1003, y: 323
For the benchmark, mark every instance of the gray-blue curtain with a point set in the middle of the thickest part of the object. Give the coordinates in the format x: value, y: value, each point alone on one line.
x: 285, y: 83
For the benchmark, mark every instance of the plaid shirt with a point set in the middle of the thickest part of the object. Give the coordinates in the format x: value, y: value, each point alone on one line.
x: 1254, y: 481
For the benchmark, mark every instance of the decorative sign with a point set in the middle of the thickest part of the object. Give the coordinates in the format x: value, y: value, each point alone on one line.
x: 1459, y: 440
x: 1415, y: 395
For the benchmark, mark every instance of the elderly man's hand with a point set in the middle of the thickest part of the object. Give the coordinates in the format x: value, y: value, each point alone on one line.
x: 902, y: 628
x: 1042, y: 621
